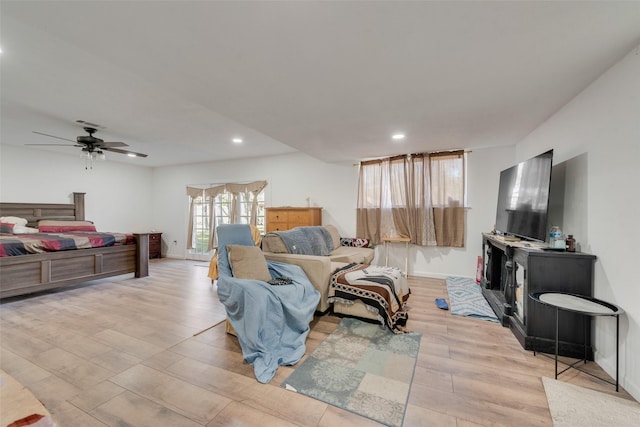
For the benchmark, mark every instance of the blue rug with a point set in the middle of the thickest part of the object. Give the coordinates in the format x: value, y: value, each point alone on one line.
x: 466, y: 299
x: 362, y: 367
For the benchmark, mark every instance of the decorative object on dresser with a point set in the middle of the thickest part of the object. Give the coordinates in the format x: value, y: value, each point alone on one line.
x: 155, y: 244
x: 513, y: 270
x: 285, y: 218
x: 34, y: 272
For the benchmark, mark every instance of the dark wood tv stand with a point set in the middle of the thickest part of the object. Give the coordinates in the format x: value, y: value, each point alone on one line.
x: 512, y: 270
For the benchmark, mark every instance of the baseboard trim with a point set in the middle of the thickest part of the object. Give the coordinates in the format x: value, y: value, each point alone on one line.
x: 631, y: 388
x: 436, y: 275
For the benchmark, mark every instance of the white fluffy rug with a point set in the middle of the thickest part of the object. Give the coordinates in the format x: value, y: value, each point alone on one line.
x: 572, y: 406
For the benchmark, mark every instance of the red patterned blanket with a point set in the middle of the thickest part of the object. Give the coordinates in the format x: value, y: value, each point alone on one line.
x: 24, y: 244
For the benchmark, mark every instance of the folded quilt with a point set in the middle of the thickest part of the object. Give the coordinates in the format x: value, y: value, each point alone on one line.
x: 384, y: 290
x: 271, y: 321
x: 314, y: 240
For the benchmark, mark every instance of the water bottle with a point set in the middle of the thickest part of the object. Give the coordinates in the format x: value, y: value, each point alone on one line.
x: 555, y: 238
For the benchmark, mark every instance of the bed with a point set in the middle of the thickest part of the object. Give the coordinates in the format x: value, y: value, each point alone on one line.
x: 25, y: 274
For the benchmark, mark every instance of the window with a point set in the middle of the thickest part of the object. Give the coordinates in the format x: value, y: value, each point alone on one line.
x: 222, y: 208
x: 221, y: 204
x: 201, y: 225
x: 420, y: 196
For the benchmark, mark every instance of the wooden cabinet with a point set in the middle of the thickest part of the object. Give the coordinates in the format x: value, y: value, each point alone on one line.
x: 285, y: 218
x: 155, y: 245
x: 513, y: 270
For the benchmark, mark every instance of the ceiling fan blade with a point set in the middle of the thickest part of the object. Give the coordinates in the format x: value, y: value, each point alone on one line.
x: 113, y: 144
x: 53, y: 136
x: 117, y: 150
x: 56, y: 145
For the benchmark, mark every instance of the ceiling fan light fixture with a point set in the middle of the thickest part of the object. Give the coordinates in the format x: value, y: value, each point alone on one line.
x: 94, y: 148
x: 88, y: 157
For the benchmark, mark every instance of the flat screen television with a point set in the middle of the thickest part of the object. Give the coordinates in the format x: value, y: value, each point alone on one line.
x: 523, y: 198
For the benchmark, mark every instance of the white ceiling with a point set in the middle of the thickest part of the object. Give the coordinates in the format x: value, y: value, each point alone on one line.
x: 179, y: 79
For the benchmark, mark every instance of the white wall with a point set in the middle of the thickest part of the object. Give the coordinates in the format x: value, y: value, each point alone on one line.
x: 596, y: 137
x: 292, y: 179
x: 118, y: 196
x: 121, y: 197
x: 483, y: 176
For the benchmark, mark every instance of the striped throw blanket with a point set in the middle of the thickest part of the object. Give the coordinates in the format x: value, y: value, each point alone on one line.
x: 382, y: 289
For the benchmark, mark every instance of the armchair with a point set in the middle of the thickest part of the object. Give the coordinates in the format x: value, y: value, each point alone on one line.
x: 269, y: 304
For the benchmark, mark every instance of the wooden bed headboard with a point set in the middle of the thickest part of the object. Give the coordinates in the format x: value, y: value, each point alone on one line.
x: 35, y: 212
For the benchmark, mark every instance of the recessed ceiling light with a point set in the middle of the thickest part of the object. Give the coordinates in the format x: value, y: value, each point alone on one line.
x: 237, y: 140
x: 131, y: 155
x: 397, y: 136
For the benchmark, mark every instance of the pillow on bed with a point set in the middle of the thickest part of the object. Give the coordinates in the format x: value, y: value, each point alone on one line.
x: 6, y: 227
x: 248, y: 262
x: 14, y: 220
x: 21, y: 229
x: 50, y: 226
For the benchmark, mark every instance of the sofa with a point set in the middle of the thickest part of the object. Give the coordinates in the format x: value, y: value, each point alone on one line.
x: 318, y: 268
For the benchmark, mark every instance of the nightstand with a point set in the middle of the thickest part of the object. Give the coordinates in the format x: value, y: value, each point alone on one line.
x: 155, y: 245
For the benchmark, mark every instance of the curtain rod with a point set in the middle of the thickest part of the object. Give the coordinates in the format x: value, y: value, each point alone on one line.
x: 222, y: 183
x: 412, y: 154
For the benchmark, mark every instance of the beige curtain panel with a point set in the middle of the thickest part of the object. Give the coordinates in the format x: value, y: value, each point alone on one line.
x: 248, y: 191
x: 411, y: 196
x: 193, y: 194
x: 210, y: 194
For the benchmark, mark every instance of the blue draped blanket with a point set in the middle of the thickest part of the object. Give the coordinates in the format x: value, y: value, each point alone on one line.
x: 271, y: 321
x: 313, y: 240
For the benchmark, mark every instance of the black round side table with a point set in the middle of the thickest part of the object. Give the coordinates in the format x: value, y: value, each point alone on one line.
x: 580, y: 304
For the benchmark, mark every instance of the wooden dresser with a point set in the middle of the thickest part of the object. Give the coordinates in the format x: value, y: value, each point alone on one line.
x: 155, y: 245
x: 285, y: 218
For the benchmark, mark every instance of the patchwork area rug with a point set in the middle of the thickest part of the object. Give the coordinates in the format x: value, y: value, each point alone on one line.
x: 571, y: 405
x: 362, y: 367
x: 466, y: 299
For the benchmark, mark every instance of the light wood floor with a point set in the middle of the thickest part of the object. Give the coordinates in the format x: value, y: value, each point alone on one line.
x: 143, y: 352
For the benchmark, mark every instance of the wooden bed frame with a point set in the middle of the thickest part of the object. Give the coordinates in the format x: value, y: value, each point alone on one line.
x: 26, y: 274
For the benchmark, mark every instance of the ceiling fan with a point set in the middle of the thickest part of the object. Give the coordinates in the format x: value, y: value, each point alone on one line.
x: 91, y: 146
